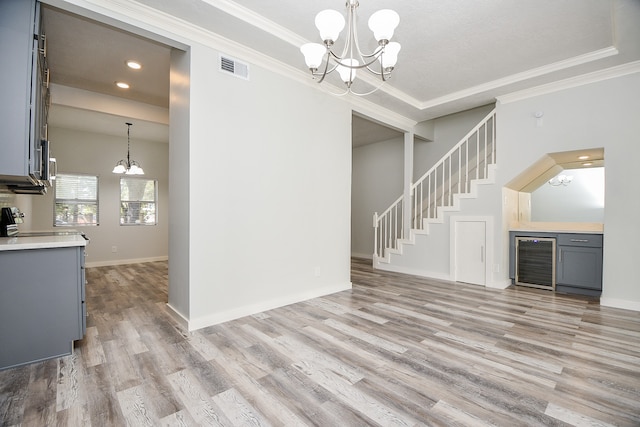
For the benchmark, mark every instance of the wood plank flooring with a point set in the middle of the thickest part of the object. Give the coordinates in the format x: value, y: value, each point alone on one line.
x: 396, y: 350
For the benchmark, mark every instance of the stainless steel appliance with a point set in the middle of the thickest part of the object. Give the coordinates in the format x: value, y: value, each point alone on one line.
x: 536, y: 262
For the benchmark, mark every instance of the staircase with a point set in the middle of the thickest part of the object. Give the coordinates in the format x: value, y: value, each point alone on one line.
x: 454, y: 177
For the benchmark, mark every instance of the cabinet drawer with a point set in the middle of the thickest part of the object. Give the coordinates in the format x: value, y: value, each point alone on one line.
x: 580, y: 239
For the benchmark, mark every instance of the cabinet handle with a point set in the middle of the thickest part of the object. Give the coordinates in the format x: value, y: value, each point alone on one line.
x: 40, y: 171
x: 560, y: 255
x: 481, y: 253
x: 54, y: 163
x: 580, y: 240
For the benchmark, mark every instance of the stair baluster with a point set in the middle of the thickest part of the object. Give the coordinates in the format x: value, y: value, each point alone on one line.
x: 389, y: 226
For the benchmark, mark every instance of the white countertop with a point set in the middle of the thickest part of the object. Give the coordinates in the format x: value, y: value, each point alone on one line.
x: 558, y: 227
x: 556, y: 231
x: 41, y: 242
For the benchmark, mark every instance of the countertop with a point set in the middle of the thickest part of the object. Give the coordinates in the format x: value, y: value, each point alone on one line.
x: 554, y: 231
x: 41, y: 242
x: 557, y: 227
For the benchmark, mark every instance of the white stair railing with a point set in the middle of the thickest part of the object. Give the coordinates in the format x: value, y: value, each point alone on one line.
x: 469, y: 159
x: 389, y: 228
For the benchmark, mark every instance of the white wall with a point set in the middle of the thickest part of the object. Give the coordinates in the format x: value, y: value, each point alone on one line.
x: 376, y: 182
x: 269, y: 183
x: 603, y: 114
x: 96, y: 154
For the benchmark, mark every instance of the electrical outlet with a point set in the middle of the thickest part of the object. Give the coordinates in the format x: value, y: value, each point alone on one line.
x: 316, y: 272
x: 114, y: 249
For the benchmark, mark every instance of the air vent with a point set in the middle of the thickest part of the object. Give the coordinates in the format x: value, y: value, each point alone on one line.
x: 233, y: 66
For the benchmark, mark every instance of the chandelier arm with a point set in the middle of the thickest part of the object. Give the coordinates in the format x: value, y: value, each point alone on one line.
x: 326, y: 88
x: 383, y: 75
x: 339, y: 59
x: 382, y: 83
x: 326, y: 66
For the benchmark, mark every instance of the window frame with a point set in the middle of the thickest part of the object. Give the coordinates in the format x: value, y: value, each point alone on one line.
x: 76, y: 201
x: 154, y: 202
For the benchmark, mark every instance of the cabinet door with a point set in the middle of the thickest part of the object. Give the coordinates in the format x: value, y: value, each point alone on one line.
x: 40, y: 307
x: 579, y: 266
x: 17, y: 19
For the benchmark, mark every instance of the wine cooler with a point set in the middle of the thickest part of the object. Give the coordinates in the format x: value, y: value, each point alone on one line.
x: 536, y: 262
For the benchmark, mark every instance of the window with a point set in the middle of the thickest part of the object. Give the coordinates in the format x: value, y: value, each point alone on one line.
x: 138, y: 201
x: 76, y: 200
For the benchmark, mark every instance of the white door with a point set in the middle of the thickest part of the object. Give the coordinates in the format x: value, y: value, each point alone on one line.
x: 470, y: 252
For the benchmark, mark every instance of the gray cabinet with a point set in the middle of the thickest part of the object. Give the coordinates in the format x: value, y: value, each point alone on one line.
x: 24, y: 90
x: 579, y: 263
x: 42, y: 308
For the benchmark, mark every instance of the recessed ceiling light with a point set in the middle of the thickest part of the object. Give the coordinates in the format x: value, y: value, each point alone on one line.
x: 583, y: 157
x: 134, y: 64
x: 587, y: 164
x: 122, y: 85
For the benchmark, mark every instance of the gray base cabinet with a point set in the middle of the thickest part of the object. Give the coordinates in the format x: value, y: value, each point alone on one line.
x: 578, y: 265
x: 42, y: 310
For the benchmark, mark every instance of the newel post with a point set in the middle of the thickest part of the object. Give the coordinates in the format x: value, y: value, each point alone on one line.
x: 375, y: 235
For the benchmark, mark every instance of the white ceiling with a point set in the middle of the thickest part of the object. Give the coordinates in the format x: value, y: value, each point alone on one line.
x: 456, y: 54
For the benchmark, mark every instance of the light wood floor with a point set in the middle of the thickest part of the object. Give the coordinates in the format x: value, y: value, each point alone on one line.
x: 396, y: 350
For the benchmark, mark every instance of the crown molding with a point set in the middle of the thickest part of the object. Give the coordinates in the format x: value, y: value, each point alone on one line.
x: 252, y: 18
x: 518, y: 77
x: 589, y: 78
x: 292, y: 38
x: 164, y: 25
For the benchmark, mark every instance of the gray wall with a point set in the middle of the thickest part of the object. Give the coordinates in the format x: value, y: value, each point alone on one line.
x: 179, y: 182
x: 96, y: 154
x: 377, y: 177
x: 603, y: 114
x: 448, y: 131
x: 580, y: 201
x: 376, y: 182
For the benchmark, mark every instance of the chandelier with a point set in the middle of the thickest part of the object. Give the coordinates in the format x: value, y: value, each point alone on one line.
x: 128, y: 166
x: 380, y: 62
x: 561, y: 180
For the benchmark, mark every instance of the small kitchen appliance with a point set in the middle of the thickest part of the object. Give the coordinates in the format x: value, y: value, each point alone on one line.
x: 9, y: 220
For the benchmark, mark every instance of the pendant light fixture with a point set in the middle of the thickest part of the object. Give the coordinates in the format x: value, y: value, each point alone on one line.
x: 380, y: 62
x: 128, y: 166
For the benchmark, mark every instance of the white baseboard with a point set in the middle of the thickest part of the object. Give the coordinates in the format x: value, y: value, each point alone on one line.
x: 412, y: 271
x: 499, y: 284
x: 125, y: 261
x: 365, y: 256
x: 620, y: 303
x: 182, y: 321
x: 247, y: 310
